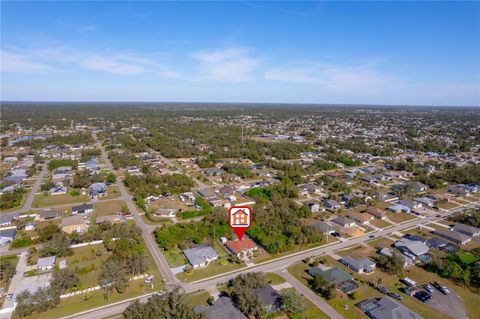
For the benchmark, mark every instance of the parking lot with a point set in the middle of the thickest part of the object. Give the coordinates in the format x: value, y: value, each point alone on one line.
x: 450, y: 304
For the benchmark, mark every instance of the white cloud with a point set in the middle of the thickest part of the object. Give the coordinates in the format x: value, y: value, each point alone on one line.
x: 11, y: 61
x: 111, y: 64
x: 290, y: 75
x: 228, y: 65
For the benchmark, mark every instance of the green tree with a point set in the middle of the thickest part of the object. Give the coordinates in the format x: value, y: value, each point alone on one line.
x: 291, y: 301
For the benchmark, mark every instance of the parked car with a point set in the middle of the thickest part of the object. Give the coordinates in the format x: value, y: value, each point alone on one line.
x: 423, y: 296
x: 444, y: 290
x: 428, y: 288
x: 383, y: 289
x: 396, y: 296
x: 371, y: 236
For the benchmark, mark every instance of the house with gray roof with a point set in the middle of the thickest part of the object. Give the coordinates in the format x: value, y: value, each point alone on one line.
x: 221, y: 308
x: 49, y: 214
x: 323, y: 227
x: 7, y: 236
x: 386, y: 308
x: 466, y: 229
x: 82, y: 209
x: 200, y: 256
x: 344, y: 221
x: 46, y: 263
x: 269, y: 298
x: 411, y: 248
x: 361, y: 265
x: 7, y: 219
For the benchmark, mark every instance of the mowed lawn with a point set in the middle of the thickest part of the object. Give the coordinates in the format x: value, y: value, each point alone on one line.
x: 62, y: 199
x: 400, y: 217
x: 217, y: 267
x: 175, y: 257
x: 110, y: 207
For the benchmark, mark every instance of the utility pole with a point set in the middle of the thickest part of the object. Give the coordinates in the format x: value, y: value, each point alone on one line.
x: 242, y: 134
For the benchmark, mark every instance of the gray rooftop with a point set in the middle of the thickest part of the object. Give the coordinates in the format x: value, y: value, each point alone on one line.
x: 46, y: 262
x: 416, y: 247
x: 200, y: 254
x: 390, y: 309
x: 221, y: 308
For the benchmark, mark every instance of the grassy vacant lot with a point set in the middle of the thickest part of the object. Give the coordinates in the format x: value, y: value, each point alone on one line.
x: 379, y: 223
x: 447, y: 205
x: 274, y: 279
x: 466, y: 257
x: 310, y: 312
x: 400, y: 217
x: 175, y: 257
x: 108, y: 207
x: 380, y: 242
x: 112, y: 192
x: 356, y: 251
x: 198, y: 298
x: 62, y: 199
x: 87, y: 262
x: 214, y: 268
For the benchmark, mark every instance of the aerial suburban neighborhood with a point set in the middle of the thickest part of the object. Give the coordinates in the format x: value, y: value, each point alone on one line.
x: 369, y: 223
x: 239, y: 159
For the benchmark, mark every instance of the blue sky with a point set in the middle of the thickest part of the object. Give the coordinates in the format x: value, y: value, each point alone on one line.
x: 416, y: 53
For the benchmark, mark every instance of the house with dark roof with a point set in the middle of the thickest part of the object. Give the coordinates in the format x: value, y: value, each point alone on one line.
x: 466, y: 229
x: 98, y: 190
x: 330, y: 275
x: 82, y: 209
x: 361, y: 265
x: 377, y: 212
x: 344, y: 221
x: 221, y: 308
x: 332, y: 204
x: 49, y: 214
x: 269, y: 298
x: 456, y: 237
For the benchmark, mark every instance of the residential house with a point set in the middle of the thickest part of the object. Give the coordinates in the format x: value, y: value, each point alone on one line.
x: 411, y: 248
x: 7, y: 219
x: 397, y: 208
x: 377, y: 212
x: 426, y: 201
x: 7, y: 236
x: 323, y: 227
x: 58, y: 190
x: 456, y: 237
x: 417, y: 187
x: 16, y: 175
x: 332, y: 204
x: 343, y: 221
x: 62, y: 173
x: 166, y: 212
x: 83, y: 209
x: 200, y: 256
x: 360, y: 265
x: 98, y: 190
x: 362, y: 218
x: 466, y: 229
x: 386, y: 308
x: 213, y: 171
x: 46, y: 263
x: 410, y: 204
x: 307, y: 189
x: 314, y: 207
x: 330, y: 275
x: 269, y: 298
x: 407, y: 261
x: 221, y: 308
x: 207, y: 193
x: 92, y: 164
x: 241, y: 248
x: 74, y: 223
x: 49, y: 214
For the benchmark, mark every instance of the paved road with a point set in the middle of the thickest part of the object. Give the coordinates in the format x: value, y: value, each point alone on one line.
x: 310, y: 295
x: 278, y: 264
x: 27, y: 206
x: 15, y: 282
x: 146, y: 230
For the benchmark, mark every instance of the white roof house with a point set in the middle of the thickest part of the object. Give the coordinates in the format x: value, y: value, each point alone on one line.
x: 46, y: 263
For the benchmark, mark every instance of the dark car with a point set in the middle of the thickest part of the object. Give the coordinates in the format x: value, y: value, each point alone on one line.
x: 335, y: 234
x: 371, y: 236
x: 383, y: 289
x: 423, y: 296
x: 396, y: 296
